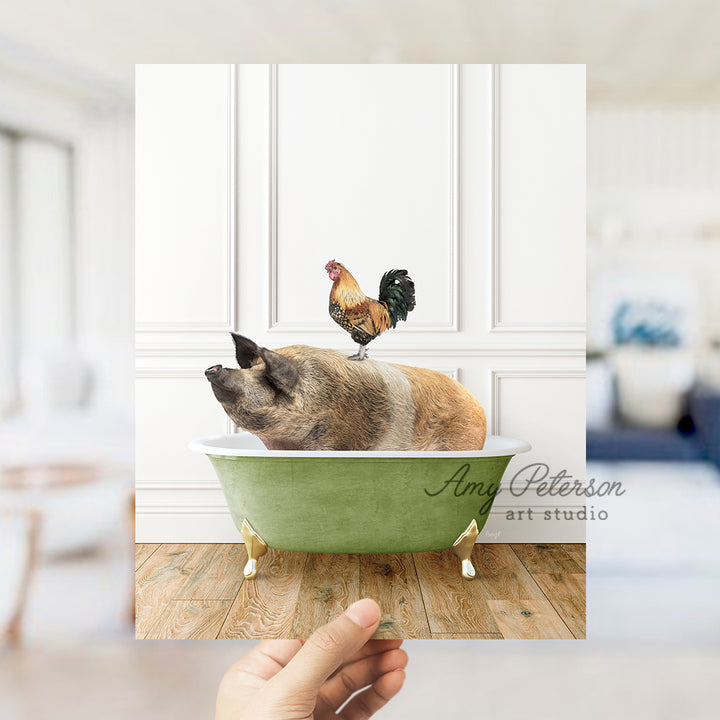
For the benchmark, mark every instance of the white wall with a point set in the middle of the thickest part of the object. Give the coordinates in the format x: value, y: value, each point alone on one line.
x: 249, y: 178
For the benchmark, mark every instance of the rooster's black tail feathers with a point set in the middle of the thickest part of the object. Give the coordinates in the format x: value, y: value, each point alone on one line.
x: 397, y: 291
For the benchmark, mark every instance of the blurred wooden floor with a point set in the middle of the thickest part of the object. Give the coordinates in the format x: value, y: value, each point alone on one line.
x: 520, y: 591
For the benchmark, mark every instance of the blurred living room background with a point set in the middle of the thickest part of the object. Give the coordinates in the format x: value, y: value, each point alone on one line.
x: 66, y: 358
x: 653, y: 363
x: 653, y: 369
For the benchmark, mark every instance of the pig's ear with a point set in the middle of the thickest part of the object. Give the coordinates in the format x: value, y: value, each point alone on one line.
x: 245, y: 350
x: 280, y: 371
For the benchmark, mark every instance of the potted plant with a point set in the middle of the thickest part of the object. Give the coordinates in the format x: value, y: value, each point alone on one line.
x: 654, y: 366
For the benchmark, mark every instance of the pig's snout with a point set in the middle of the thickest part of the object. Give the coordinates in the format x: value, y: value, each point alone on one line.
x: 213, y: 371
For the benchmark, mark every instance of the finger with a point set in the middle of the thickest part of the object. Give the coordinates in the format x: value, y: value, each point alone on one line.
x: 374, y: 647
x: 358, y: 675
x: 265, y: 660
x: 370, y: 700
x: 280, y: 651
x: 328, y: 648
x: 245, y: 677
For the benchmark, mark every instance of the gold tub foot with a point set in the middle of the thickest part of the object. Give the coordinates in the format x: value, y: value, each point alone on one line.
x: 463, y: 547
x: 255, y: 547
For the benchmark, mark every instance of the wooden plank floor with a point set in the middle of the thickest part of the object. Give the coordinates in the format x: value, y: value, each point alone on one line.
x: 520, y: 591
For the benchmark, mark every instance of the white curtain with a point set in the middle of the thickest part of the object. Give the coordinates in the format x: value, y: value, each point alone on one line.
x: 37, y: 268
x: 8, y: 335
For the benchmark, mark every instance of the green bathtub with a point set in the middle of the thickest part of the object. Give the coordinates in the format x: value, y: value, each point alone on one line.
x: 357, y: 502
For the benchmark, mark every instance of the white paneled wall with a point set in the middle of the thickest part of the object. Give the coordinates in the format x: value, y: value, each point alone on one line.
x: 250, y: 178
x: 183, y: 147
x: 395, y: 127
x: 540, y: 282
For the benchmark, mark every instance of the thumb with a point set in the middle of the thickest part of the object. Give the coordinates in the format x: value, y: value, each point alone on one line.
x: 328, y: 648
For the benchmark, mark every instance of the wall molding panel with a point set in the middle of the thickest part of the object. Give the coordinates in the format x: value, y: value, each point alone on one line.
x: 224, y: 352
x: 497, y: 375
x: 147, y: 330
x: 497, y: 323
x: 275, y: 324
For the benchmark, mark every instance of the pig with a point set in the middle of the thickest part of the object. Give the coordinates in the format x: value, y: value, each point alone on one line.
x: 307, y: 398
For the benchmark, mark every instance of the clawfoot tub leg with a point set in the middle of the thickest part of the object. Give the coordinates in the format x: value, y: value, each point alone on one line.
x: 255, y: 547
x: 463, y: 546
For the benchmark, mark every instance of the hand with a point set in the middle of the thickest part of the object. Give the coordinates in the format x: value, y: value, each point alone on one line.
x: 311, y: 680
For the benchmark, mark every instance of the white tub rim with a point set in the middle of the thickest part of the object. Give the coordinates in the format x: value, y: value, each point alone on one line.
x: 244, y: 444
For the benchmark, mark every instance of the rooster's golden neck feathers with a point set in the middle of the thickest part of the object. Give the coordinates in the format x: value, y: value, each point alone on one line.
x: 346, y: 289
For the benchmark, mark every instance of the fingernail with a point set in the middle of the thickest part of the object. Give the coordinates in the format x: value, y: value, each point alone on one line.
x: 364, y: 612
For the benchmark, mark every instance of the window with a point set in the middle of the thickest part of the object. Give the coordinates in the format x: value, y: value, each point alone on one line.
x: 37, y: 265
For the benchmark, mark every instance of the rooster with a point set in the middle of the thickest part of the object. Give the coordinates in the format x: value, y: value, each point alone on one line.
x: 363, y: 317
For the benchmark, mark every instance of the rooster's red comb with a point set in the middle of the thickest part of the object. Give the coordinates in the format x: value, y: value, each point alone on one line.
x: 328, y: 267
